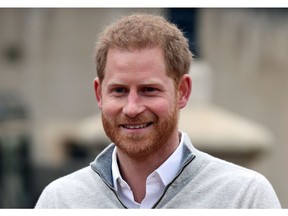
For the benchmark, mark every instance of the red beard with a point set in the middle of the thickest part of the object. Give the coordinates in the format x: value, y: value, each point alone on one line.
x: 143, y: 144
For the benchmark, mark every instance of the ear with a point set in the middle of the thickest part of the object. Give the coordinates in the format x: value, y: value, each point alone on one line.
x: 184, y: 90
x: 97, y: 89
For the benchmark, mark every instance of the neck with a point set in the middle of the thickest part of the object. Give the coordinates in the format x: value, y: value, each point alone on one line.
x: 136, y: 170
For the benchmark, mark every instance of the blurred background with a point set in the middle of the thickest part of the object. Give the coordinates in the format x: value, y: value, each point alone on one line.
x: 49, y: 119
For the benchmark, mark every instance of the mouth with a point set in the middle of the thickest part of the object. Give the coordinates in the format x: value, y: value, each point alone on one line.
x: 136, y: 126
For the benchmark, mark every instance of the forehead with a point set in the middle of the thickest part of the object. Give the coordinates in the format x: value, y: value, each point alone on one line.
x: 136, y: 62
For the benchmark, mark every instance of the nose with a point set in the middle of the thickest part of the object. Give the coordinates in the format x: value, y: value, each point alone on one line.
x: 134, y: 105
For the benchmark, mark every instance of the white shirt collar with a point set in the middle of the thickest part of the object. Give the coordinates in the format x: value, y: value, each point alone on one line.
x: 168, y: 170
x: 115, y: 169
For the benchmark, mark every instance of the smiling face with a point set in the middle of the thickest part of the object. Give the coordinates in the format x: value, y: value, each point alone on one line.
x: 139, y: 102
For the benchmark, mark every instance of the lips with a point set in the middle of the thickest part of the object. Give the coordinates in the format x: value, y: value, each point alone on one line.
x: 136, y: 126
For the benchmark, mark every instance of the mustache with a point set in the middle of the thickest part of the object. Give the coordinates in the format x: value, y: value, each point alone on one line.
x: 137, y: 119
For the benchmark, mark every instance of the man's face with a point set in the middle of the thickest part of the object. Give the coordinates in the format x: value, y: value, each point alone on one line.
x: 138, y: 101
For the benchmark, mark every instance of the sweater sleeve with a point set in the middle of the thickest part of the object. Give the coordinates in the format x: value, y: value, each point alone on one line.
x: 42, y: 201
x: 46, y: 199
x: 260, y: 194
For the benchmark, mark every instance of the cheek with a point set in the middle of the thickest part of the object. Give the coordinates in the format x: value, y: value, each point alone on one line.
x: 111, y: 108
x: 162, y: 108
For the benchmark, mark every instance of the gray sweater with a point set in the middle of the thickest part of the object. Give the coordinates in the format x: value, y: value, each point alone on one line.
x: 202, y: 182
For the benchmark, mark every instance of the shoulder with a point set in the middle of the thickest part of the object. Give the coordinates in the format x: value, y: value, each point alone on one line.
x: 206, y: 167
x: 85, y: 178
x: 68, y: 189
x: 207, y: 164
x: 248, y: 187
x: 220, y: 168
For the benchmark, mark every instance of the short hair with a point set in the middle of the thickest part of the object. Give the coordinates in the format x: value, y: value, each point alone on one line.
x: 140, y: 31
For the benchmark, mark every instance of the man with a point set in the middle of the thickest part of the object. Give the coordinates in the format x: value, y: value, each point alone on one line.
x: 142, y: 82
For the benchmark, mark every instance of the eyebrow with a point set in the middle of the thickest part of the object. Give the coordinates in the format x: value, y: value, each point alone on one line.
x: 146, y: 82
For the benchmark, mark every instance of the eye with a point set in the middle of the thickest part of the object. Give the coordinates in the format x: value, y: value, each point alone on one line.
x: 149, y: 89
x: 119, y: 90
